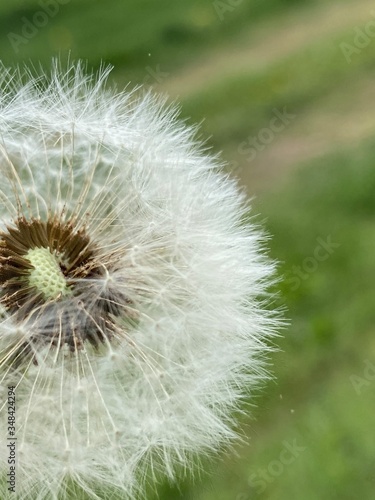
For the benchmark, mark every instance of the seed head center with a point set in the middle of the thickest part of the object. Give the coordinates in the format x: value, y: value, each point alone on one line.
x: 46, y: 275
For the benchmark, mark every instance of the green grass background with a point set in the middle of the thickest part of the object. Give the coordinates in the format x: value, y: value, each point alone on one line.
x: 231, y: 63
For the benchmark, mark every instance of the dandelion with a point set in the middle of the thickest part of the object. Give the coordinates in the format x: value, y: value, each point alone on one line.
x: 131, y: 289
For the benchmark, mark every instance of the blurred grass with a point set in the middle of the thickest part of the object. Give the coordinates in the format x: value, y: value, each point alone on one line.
x: 327, y: 193
x: 119, y: 33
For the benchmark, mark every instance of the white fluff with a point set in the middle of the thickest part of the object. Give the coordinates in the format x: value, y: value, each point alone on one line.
x: 191, y: 264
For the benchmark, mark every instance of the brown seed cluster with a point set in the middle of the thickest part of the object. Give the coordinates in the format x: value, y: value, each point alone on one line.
x: 87, y: 313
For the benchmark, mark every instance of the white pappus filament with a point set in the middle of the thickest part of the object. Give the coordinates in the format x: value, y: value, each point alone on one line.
x: 131, y: 288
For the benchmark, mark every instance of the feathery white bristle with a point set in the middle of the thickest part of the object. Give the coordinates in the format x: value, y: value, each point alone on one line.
x: 192, y: 337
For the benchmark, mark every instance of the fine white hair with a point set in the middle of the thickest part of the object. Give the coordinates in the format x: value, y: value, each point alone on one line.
x: 184, y: 267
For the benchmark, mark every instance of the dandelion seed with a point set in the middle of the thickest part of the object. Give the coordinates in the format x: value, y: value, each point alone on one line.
x: 131, y: 289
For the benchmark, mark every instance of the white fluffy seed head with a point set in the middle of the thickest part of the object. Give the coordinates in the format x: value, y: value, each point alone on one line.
x: 140, y: 366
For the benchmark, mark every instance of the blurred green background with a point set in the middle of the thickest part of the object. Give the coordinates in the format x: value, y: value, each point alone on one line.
x: 286, y: 90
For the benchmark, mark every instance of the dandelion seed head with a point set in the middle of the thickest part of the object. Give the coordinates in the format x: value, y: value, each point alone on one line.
x: 132, y: 288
